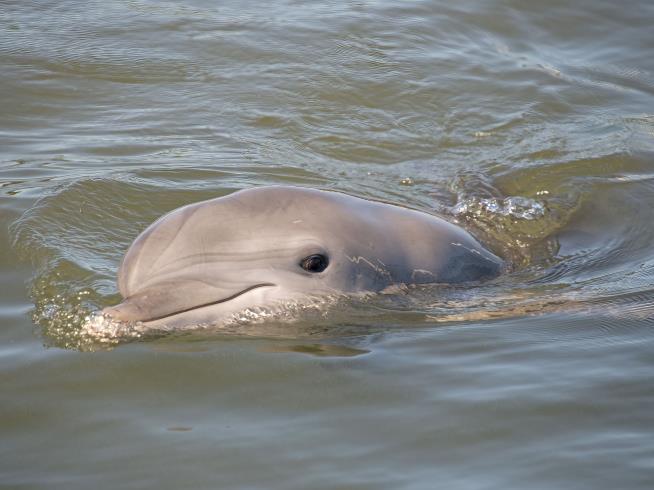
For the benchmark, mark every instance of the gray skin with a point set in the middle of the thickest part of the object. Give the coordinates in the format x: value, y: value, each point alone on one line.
x: 205, y: 262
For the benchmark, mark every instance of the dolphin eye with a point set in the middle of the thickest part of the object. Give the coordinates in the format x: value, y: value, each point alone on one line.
x: 314, y: 263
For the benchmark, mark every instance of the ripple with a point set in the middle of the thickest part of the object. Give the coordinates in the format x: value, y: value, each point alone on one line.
x: 76, y: 238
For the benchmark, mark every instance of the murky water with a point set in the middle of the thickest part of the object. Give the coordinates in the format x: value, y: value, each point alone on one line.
x: 529, y: 123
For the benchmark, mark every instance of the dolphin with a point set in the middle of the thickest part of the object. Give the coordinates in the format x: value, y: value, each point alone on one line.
x: 264, y: 247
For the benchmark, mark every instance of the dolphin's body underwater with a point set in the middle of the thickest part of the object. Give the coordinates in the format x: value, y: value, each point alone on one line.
x: 263, y: 247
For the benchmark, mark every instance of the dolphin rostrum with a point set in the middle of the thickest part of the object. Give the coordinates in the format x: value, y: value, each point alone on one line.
x: 262, y: 247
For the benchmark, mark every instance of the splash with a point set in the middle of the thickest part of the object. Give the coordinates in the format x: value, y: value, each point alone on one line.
x: 520, y: 228
x: 516, y: 207
x: 100, y: 329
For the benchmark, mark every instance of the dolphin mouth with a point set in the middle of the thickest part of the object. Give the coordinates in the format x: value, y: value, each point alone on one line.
x: 134, y: 309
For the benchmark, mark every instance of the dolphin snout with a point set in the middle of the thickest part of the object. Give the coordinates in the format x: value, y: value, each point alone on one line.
x: 127, y: 311
x: 167, y: 300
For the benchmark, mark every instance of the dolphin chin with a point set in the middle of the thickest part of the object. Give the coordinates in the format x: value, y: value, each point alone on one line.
x: 270, y: 246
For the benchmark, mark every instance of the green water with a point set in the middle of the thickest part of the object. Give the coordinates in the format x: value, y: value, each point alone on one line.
x: 530, y: 124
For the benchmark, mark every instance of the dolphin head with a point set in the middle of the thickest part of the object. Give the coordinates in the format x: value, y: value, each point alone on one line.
x: 265, y: 246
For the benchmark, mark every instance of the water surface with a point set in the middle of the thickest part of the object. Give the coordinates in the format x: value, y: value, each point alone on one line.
x: 530, y: 124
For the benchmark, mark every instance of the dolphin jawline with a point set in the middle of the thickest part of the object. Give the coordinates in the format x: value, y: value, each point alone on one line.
x: 204, y: 305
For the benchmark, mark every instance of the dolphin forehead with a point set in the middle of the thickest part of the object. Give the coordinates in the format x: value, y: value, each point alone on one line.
x: 196, y: 244
x: 260, y: 223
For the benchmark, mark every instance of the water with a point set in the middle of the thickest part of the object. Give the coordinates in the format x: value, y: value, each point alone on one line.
x: 532, y: 125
